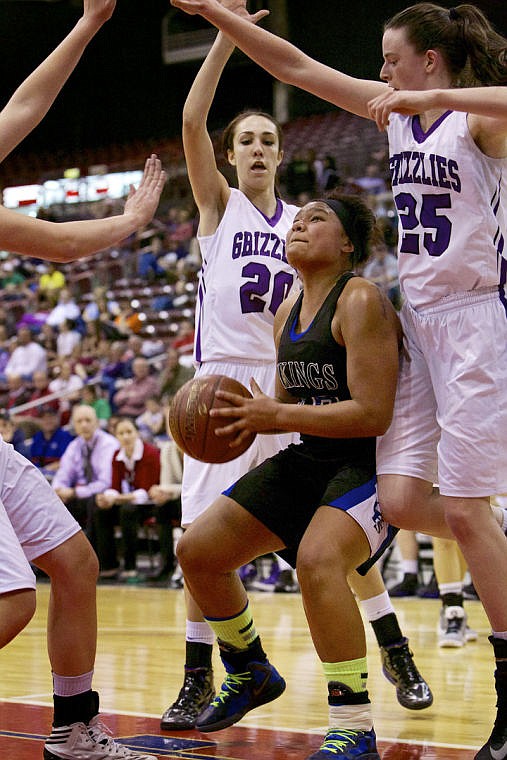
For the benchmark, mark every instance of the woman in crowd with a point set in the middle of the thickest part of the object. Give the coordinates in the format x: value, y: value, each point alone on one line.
x: 135, y: 469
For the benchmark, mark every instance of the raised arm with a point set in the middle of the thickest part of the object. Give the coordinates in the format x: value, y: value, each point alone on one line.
x: 67, y: 241
x: 33, y: 98
x: 209, y: 186
x: 285, y: 61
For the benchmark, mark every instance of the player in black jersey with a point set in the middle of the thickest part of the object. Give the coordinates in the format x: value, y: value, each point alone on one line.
x: 337, y: 358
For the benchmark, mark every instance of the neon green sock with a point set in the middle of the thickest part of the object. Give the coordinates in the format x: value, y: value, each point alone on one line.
x: 238, y: 631
x: 353, y: 673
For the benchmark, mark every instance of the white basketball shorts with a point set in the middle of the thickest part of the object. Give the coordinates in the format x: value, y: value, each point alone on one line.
x: 450, y: 416
x: 33, y: 520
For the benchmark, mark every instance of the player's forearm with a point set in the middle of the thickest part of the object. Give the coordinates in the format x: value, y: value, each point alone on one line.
x: 273, y: 53
x: 342, y: 419
x: 287, y: 63
x: 483, y: 101
x: 87, y: 237
x: 68, y: 241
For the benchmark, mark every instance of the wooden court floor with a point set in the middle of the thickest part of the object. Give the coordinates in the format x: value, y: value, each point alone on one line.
x: 139, y: 671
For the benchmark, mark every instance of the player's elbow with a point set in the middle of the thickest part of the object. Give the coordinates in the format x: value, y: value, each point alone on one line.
x: 64, y: 250
x: 379, y: 420
x: 192, y: 122
x: 382, y: 427
x: 292, y: 69
x: 58, y: 247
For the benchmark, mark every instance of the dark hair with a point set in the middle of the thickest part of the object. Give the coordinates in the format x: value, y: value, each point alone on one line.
x: 360, y: 224
x: 125, y: 418
x: 473, y: 51
x: 48, y: 409
x: 230, y: 129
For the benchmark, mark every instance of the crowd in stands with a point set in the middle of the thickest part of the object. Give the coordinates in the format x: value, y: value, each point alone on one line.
x: 92, y: 352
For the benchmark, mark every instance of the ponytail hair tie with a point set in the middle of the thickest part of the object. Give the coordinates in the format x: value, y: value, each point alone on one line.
x: 453, y: 14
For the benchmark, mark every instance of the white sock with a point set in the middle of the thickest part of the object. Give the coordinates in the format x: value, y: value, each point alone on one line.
x: 69, y: 686
x: 377, y: 606
x: 450, y: 588
x: 200, y: 632
x: 356, y: 717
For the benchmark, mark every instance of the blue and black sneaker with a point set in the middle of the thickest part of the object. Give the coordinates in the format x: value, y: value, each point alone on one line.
x: 240, y: 693
x: 347, y: 744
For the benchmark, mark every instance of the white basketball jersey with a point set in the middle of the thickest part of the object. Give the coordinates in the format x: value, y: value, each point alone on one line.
x: 451, y: 202
x: 244, y: 278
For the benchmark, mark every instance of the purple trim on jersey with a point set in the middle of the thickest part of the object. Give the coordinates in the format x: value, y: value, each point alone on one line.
x: 273, y: 221
x: 418, y: 132
x: 503, y: 273
x: 200, y: 295
x: 501, y: 288
x: 499, y: 242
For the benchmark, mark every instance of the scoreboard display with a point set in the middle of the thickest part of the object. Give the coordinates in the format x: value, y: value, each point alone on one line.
x: 70, y: 189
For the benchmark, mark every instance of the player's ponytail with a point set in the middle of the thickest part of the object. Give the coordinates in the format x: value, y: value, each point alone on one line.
x: 486, y: 49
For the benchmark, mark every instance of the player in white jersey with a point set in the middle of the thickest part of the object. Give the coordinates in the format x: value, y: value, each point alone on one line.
x: 245, y: 277
x: 451, y: 413
x: 450, y: 198
x: 35, y: 525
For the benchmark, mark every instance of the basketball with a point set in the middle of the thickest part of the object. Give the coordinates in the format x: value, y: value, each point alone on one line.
x: 191, y: 426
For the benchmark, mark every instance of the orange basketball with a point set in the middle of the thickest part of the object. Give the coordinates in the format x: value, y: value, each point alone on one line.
x: 191, y: 426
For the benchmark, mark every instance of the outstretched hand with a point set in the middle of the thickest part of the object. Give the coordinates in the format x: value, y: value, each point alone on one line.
x: 239, y: 8
x: 406, y: 102
x: 203, y: 7
x: 143, y: 202
x: 194, y: 7
x: 252, y: 415
x: 99, y: 10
